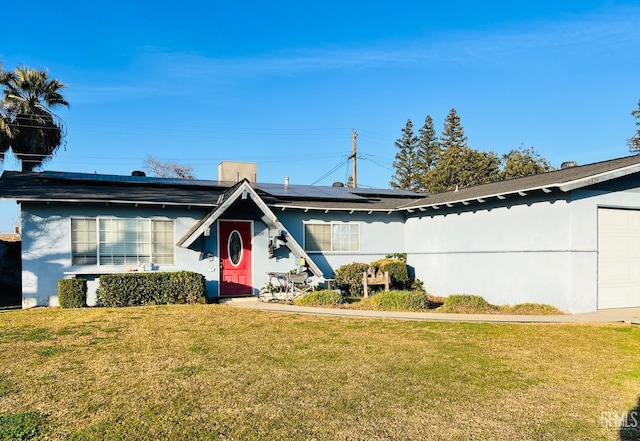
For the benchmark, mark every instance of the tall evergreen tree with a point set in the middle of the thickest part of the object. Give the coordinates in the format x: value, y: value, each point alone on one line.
x: 453, y: 133
x: 427, y: 153
x: 432, y: 164
x: 405, y: 177
x: 458, y: 165
x: 634, y: 141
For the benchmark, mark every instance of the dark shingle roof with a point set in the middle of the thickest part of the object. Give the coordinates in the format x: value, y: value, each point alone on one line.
x: 83, y: 187
x: 47, y: 186
x: 559, y: 180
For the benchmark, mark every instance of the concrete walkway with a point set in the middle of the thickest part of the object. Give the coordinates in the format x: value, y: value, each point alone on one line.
x: 625, y: 315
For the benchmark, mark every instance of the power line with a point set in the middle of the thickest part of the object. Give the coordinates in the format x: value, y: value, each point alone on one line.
x: 368, y: 158
x: 198, y: 129
x: 345, y: 160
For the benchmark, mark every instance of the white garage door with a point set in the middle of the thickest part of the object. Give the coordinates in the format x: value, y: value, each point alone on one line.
x: 618, y: 258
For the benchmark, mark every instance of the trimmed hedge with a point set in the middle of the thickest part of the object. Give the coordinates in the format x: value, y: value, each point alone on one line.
x: 325, y: 297
x: 400, y: 301
x: 349, y: 278
x: 72, y: 293
x: 154, y: 288
x: 398, y: 272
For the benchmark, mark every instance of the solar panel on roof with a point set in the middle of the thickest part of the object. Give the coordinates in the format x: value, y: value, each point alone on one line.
x: 307, y: 191
x: 129, y: 179
x: 277, y: 190
x: 382, y: 191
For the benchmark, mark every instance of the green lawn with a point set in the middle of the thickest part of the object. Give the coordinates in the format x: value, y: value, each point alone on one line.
x: 216, y: 372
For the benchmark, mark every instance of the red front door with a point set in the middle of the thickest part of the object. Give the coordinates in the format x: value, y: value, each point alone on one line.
x: 235, y: 258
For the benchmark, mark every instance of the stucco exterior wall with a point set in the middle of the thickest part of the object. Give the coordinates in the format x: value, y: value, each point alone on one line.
x: 46, y: 247
x: 507, y: 254
x: 46, y: 250
x: 538, y: 248
x: 380, y: 234
x: 532, y: 251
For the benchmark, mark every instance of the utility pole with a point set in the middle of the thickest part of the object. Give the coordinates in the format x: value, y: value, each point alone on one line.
x: 353, y: 156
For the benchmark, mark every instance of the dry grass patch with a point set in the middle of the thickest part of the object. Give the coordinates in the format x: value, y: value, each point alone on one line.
x: 529, y: 309
x: 213, y: 371
x: 456, y: 304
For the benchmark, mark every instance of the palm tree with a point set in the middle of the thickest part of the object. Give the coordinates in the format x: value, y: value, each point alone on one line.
x: 33, y: 131
x: 5, y: 132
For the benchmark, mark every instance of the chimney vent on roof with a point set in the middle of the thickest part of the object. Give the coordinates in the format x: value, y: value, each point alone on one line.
x: 337, y: 184
x: 138, y: 173
x: 286, y: 182
x: 568, y: 164
x: 235, y: 171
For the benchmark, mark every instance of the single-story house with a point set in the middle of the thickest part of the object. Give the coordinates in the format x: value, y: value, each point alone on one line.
x: 570, y: 238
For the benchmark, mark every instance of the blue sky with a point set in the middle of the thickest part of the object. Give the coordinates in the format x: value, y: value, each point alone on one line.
x: 284, y: 83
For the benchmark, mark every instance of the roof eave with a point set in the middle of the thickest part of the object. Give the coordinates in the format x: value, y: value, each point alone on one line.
x: 562, y: 186
x: 482, y: 198
x: 601, y: 177
x: 109, y: 201
x: 351, y: 209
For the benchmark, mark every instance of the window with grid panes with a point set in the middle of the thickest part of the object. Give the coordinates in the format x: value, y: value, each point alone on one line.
x: 83, y: 242
x: 332, y: 237
x: 118, y: 241
x: 162, y: 241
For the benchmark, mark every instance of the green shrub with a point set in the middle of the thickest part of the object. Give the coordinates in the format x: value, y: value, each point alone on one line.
x: 349, y: 278
x: 325, y: 297
x: 400, y: 301
x: 417, y: 285
x: 154, y: 288
x: 190, y: 287
x: 465, y: 303
x: 399, y: 256
x: 398, y: 272
x: 72, y: 293
x: 20, y: 426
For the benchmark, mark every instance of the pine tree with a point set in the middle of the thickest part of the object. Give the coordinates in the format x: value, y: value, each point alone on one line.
x: 427, y: 153
x: 634, y: 141
x: 458, y: 165
x: 453, y: 133
x: 405, y: 160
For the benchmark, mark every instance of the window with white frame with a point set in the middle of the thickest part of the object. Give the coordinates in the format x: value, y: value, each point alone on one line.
x: 84, y: 248
x: 332, y: 237
x: 121, y: 241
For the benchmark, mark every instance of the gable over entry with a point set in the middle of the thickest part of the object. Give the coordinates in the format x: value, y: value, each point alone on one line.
x: 243, y: 191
